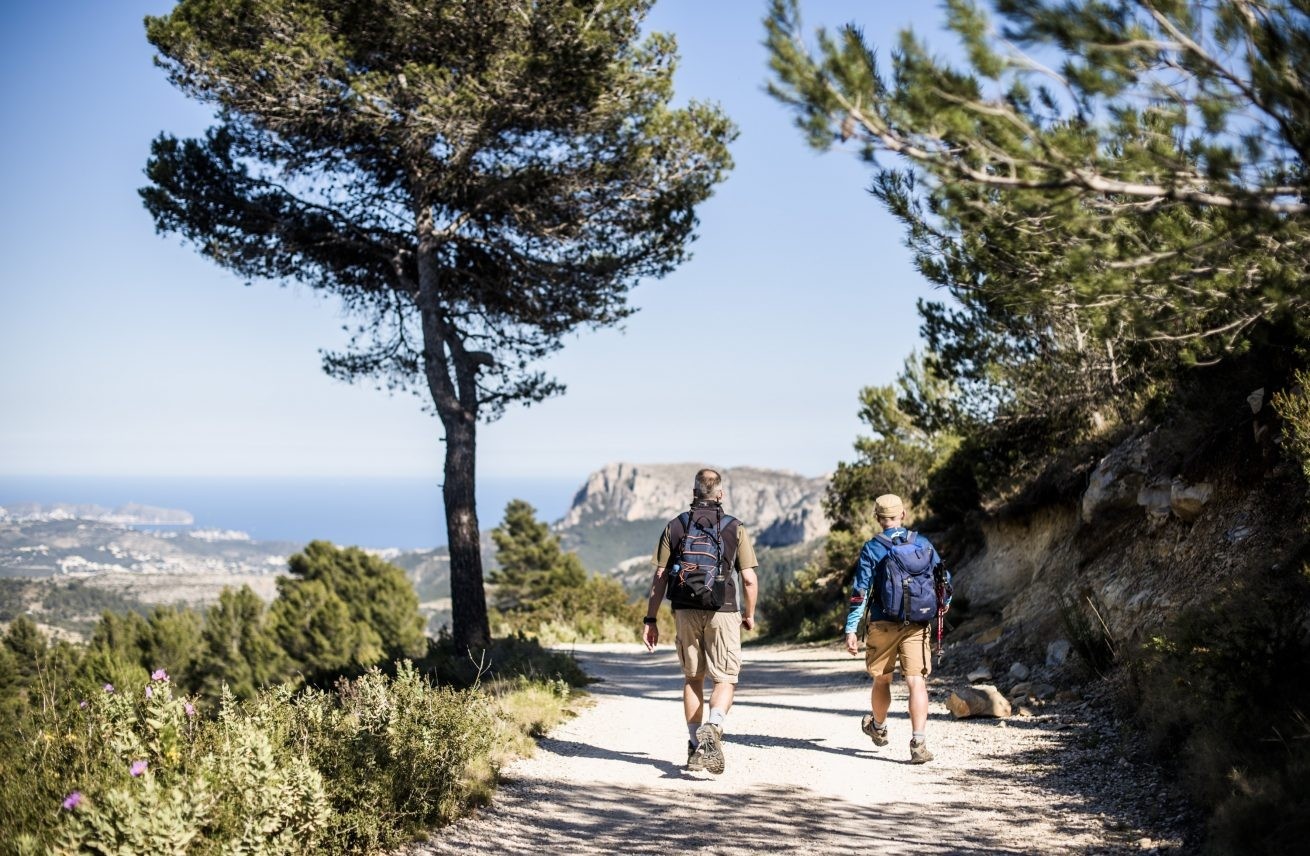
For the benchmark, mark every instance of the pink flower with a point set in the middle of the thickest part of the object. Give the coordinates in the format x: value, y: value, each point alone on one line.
x: 72, y: 801
x: 149, y: 692
x: 189, y: 708
x: 138, y: 767
x: 109, y: 688
x: 82, y: 704
x: 159, y: 675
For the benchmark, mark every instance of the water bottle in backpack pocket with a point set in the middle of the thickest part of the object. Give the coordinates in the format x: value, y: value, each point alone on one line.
x: 903, y: 580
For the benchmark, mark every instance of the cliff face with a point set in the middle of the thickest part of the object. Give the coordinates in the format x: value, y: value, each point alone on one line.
x: 781, y: 508
x: 1147, y: 537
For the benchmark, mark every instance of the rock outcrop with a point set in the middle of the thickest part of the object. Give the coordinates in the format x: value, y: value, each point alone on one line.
x: 780, y: 507
x: 981, y: 700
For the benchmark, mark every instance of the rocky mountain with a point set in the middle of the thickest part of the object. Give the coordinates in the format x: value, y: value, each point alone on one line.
x: 617, y: 516
x: 781, y: 508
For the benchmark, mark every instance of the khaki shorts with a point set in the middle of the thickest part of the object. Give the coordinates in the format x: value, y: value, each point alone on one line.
x: 889, y: 640
x: 709, y: 642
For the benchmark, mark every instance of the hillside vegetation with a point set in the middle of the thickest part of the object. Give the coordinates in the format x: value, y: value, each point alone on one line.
x: 322, y: 722
x: 1107, y: 427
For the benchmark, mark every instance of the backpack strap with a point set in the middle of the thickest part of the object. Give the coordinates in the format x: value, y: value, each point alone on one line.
x: 683, y: 521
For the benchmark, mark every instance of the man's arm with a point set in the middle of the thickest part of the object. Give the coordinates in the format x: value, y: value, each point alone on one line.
x: 750, y: 591
x: 650, y: 631
x: 746, y: 563
x: 859, y: 599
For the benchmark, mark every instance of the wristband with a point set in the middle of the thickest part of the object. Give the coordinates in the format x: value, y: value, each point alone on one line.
x: 650, y: 620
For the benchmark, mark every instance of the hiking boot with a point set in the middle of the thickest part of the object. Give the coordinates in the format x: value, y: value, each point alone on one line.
x: 919, y: 753
x: 710, y: 737
x: 877, y: 735
x: 695, y: 758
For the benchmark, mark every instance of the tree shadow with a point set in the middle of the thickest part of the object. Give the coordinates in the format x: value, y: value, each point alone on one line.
x: 697, y: 818
x: 574, y: 749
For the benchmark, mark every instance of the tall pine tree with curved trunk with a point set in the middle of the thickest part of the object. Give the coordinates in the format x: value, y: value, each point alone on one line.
x: 473, y: 179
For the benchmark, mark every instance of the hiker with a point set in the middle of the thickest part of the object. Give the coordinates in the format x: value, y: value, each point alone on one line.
x: 900, y: 612
x: 705, y: 562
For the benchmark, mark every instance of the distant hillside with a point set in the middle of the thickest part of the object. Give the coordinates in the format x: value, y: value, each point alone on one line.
x: 617, y: 515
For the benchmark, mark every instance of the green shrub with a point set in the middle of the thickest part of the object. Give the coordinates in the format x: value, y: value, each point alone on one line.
x: 1092, y: 642
x: 134, y: 769
x: 1293, y: 407
x: 394, y: 754
x: 1225, y: 692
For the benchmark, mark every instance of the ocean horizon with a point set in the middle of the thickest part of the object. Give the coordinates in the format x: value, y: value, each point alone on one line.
x: 402, y: 512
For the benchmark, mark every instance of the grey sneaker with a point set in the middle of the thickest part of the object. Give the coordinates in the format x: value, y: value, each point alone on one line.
x: 919, y: 753
x: 695, y: 758
x: 710, y: 737
x: 877, y: 735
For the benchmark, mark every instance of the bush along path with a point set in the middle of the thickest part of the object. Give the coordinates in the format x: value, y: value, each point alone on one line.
x: 802, y: 777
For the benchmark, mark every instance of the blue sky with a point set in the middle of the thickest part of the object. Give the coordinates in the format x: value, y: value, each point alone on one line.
x: 126, y: 353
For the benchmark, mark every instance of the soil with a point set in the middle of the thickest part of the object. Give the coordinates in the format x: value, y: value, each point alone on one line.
x: 802, y: 778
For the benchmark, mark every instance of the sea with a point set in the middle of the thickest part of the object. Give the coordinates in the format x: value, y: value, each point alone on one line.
x: 401, y: 512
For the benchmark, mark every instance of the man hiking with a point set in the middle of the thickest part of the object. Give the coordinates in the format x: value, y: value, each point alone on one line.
x: 894, y: 580
x: 705, y: 563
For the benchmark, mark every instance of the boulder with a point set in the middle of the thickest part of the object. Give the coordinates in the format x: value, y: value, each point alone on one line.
x: 1188, y: 500
x: 979, y: 675
x: 1019, y: 672
x: 1156, y: 497
x: 1057, y: 652
x: 1117, y: 480
x: 1238, y: 534
x: 981, y: 700
x: 1041, y: 691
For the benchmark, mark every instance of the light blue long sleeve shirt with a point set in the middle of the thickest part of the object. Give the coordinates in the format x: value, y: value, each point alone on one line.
x: 870, y: 555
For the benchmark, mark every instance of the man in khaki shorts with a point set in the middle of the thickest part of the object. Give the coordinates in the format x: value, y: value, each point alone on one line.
x: 708, y: 618
x: 891, y: 638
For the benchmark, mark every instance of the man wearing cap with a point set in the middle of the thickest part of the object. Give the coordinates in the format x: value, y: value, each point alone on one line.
x: 708, y: 639
x: 888, y: 639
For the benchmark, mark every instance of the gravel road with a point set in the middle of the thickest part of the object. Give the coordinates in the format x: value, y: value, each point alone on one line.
x: 802, y: 778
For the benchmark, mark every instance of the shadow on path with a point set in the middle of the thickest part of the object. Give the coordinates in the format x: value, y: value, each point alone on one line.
x: 766, y: 819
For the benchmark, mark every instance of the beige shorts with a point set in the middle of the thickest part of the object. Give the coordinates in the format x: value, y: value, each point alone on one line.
x: 888, y: 641
x: 709, y: 642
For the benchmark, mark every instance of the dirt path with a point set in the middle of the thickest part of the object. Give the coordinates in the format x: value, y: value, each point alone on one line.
x: 800, y: 776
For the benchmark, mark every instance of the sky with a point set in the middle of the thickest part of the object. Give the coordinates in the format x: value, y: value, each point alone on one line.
x: 128, y: 354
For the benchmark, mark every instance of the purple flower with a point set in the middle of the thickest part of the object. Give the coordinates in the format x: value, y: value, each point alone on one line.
x: 82, y: 704
x: 189, y: 708
x: 138, y: 767
x: 159, y: 675
x: 149, y: 692
x: 109, y: 688
x: 73, y: 800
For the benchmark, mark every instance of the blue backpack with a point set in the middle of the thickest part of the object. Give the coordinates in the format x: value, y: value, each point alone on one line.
x: 698, y: 578
x: 903, y: 580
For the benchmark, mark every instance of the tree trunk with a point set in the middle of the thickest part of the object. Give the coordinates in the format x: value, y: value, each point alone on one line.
x: 451, y: 374
x: 468, y: 600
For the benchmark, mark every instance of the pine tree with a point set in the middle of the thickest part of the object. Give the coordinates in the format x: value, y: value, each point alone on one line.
x: 1111, y: 192
x: 238, y: 648
x: 473, y: 180
x: 532, y: 565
